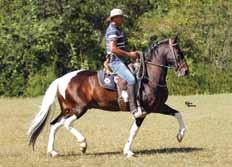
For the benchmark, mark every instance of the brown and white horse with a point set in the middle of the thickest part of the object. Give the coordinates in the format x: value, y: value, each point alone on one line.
x: 79, y: 91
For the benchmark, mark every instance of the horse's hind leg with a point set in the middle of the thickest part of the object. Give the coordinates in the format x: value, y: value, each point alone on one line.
x: 80, y: 138
x: 165, y: 109
x: 66, y: 121
x: 55, y: 125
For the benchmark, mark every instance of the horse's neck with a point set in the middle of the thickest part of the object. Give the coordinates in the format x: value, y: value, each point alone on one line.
x: 157, y: 74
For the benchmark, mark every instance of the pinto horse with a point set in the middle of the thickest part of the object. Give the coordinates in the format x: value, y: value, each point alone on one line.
x: 78, y: 91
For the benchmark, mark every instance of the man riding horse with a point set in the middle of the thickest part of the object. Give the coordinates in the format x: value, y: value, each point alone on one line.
x: 116, y: 51
x: 79, y: 91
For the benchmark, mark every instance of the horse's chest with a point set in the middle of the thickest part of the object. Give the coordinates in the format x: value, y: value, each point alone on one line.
x: 153, y: 98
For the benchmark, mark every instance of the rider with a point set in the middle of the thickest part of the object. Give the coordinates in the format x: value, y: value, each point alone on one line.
x: 115, y: 48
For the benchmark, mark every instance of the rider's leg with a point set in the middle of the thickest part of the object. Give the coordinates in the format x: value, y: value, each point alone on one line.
x: 123, y: 72
x: 132, y: 99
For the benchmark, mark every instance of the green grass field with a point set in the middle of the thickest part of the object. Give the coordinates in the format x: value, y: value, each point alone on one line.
x: 208, y: 141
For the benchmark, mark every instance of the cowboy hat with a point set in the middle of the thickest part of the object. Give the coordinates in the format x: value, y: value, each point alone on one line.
x: 116, y: 12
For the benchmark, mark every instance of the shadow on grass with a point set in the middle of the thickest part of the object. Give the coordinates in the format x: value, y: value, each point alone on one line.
x: 172, y: 150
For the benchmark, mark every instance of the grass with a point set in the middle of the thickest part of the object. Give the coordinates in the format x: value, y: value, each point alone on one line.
x: 207, y: 141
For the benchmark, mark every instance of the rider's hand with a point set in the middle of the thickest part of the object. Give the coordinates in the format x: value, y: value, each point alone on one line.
x: 133, y: 55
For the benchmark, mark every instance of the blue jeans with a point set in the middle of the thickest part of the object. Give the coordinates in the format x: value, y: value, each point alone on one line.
x: 122, y: 71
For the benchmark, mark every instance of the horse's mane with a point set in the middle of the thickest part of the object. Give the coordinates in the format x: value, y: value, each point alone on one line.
x: 149, y: 51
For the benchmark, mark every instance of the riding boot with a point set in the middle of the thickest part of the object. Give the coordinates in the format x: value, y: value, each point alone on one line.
x: 132, y: 102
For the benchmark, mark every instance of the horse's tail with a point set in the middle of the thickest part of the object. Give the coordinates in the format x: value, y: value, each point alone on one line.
x: 40, y: 119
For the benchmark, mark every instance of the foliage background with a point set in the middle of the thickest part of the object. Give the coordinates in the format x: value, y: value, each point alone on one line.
x: 42, y: 40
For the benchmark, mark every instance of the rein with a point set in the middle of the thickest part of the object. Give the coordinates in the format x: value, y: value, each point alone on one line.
x: 143, y: 66
x: 158, y: 65
x: 144, y: 72
x: 173, y: 53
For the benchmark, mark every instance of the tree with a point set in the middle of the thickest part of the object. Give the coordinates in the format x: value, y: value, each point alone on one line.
x: 45, y: 39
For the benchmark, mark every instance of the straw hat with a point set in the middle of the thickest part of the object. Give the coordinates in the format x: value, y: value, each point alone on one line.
x: 116, y: 12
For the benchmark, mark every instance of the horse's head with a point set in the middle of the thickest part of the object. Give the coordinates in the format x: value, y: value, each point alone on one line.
x: 175, y: 58
x: 167, y: 54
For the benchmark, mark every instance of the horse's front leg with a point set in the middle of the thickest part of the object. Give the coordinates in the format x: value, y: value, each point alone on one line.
x: 182, y: 129
x: 133, y: 131
x: 165, y: 109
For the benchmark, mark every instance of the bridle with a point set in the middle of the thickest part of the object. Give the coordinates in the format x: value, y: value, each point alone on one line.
x: 173, y: 59
x: 177, y: 66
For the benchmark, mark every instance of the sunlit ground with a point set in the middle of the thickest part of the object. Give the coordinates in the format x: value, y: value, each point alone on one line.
x: 208, y: 141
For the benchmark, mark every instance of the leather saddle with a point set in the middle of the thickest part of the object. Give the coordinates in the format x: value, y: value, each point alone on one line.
x: 111, y: 81
x: 107, y: 81
x: 114, y: 83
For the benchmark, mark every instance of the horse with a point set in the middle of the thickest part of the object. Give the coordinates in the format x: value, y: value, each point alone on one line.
x: 79, y: 91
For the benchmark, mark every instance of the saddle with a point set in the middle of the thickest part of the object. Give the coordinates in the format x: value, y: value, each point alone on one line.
x: 107, y: 80
x: 111, y: 81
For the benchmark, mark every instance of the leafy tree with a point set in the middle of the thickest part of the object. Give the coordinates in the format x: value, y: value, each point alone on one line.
x: 45, y: 39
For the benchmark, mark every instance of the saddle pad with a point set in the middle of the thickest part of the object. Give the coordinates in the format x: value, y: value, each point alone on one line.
x: 106, y: 80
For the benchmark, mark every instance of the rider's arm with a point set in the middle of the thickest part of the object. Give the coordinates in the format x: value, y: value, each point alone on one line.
x: 120, y: 52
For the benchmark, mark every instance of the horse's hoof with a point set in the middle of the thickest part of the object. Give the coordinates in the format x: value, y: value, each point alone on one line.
x: 129, y: 154
x: 180, y: 135
x: 83, y: 147
x: 53, y: 153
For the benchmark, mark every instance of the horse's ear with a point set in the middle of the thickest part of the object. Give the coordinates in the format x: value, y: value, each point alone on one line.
x: 175, y: 40
x: 153, y: 38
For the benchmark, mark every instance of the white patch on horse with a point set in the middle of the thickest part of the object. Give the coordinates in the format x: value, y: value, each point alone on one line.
x: 51, y: 138
x: 125, y: 96
x: 68, y: 125
x: 64, y: 80
x: 182, y: 129
x: 180, y: 120
x: 127, y: 148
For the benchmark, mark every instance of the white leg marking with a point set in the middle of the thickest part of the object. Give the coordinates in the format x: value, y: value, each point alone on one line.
x: 67, y: 124
x: 127, y: 148
x: 80, y: 138
x: 51, y: 139
x: 125, y: 96
x: 182, y: 128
